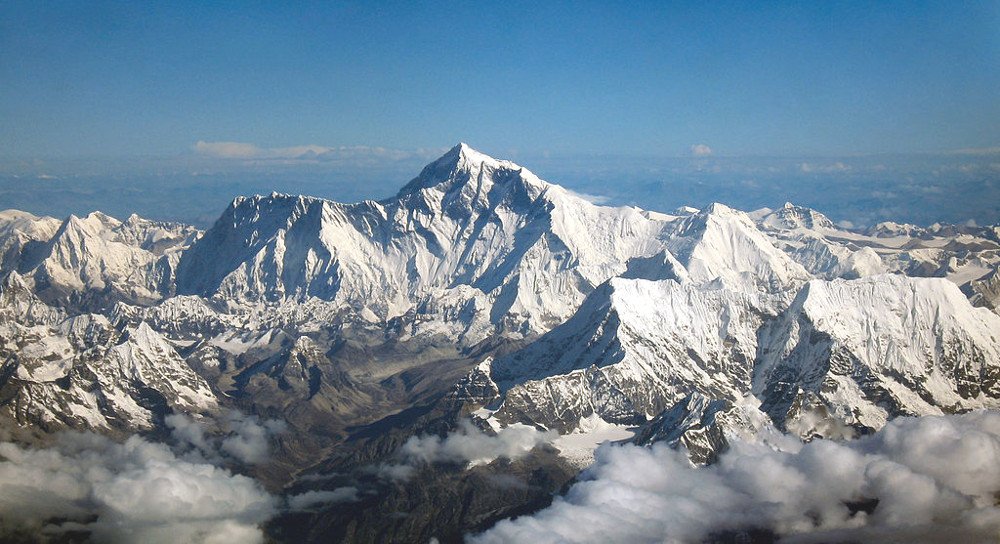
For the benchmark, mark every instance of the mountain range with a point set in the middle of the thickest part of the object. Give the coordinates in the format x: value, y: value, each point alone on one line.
x: 482, y: 294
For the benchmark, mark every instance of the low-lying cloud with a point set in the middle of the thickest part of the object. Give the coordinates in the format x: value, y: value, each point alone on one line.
x: 137, y: 491
x: 930, y: 479
x: 317, y: 498
x: 143, y: 491
x: 236, y: 436
x: 468, y: 446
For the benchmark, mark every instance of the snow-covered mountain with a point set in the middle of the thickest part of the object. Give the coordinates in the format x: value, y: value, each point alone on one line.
x: 968, y: 256
x: 530, y: 251
x: 480, y: 288
x: 633, y: 349
x: 94, y: 261
x: 21, y: 235
x: 83, y: 372
x: 870, y: 349
x: 814, y: 241
x: 628, y: 311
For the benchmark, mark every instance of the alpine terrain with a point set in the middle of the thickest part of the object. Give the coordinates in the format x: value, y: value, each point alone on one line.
x: 430, y: 364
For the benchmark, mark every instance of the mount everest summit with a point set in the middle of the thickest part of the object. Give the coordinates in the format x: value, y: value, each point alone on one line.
x: 481, y: 292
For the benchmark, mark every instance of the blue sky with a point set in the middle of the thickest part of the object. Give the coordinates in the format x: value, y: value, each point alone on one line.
x: 635, y: 78
x: 867, y: 111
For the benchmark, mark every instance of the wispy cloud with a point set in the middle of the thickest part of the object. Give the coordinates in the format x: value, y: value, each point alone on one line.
x: 311, y: 500
x: 976, y: 151
x: 311, y: 152
x: 830, y: 168
x: 228, y: 150
x: 593, y: 199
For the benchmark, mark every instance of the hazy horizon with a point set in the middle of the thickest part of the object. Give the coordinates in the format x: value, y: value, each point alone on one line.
x: 955, y: 187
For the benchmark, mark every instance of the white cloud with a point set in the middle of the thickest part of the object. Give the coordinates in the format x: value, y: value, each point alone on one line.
x: 249, y: 440
x: 311, y: 499
x: 935, y: 480
x: 244, y: 438
x: 467, y: 445
x: 831, y: 168
x: 137, y: 491
x: 306, y: 153
x: 700, y: 150
x: 593, y: 199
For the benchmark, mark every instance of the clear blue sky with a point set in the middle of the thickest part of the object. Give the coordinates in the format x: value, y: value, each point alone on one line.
x: 745, y: 78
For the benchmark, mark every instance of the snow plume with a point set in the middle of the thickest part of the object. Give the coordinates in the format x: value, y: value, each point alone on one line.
x: 930, y: 479
x: 244, y: 438
x: 468, y: 445
x: 137, y: 491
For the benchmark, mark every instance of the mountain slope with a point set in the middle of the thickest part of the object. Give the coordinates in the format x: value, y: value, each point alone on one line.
x: 875, y: 348
x: 634, y: 348
x: 95, y: 261
x: 533, y: 249
x: 22, y: 234
x: 721, y: 243
x: 84, y: 373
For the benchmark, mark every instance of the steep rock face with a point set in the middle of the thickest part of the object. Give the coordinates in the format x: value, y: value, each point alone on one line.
x: 845, y: 356
x: 703, y: 426
x: 534, y: 250
x: 985, y: 291
x: 19, y: 303
x: 870, y: 349
x: 634, y: 348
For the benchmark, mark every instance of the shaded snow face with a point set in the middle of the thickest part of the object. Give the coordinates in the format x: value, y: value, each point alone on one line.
x: 930, y: 479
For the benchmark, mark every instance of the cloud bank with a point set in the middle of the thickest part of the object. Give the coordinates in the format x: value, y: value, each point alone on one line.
x: 138, y: 491
x: 930, y: 479
x: 143, y: 491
